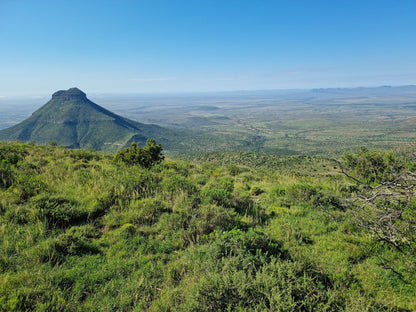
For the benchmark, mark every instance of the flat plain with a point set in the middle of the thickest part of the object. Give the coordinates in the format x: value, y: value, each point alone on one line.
x: 289, y: 122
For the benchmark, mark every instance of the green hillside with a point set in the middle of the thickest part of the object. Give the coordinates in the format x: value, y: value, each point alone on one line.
x: 71, y: 120
x: 82, y: 232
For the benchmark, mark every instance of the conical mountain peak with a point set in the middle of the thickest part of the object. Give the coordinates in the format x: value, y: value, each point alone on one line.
x: 70, y: 94
x: 72, y: 120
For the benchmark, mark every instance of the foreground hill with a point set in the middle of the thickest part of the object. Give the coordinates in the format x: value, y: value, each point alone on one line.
x: 80, y: 232
x: 72, y: 120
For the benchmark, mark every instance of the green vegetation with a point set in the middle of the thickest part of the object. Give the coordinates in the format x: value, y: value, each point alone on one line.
x: 70, y: 119
x: 309, y: 122
x: 385, y: 201
x: 299, y: 122
x: 80, y: 231
x: 145, y: 157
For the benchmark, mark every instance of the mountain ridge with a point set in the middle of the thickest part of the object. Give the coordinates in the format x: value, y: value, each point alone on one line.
x: 70, y: 119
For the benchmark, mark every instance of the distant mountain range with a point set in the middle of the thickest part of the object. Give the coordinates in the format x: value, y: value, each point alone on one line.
x: 72, y: 120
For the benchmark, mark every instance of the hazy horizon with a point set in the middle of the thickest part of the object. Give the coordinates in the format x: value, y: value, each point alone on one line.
x: 43, y: 96
x: 183, y: 46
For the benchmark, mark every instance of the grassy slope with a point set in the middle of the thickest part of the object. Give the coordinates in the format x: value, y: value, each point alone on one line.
x: 78, y: 232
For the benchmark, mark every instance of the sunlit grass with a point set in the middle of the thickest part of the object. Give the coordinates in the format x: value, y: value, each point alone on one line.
x: 79, y: 232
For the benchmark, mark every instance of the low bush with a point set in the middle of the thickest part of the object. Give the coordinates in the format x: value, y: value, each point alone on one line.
x: 7, y: 177
x: 76, y: 241
x: 59, y: 212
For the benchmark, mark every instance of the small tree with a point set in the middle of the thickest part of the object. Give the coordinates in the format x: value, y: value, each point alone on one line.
x: 146, y: 157
x: 385, y: 201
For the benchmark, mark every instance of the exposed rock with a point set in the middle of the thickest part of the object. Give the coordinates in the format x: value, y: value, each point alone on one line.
x: 70, y: 94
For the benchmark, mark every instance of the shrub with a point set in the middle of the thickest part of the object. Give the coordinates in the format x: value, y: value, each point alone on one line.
x: 278, y: 191
x: 11, y: 154
x: 302, y: 192
x: 6, y: 175
x: 135, y: 184
x: 256, y: 191
x: 58, y: 211
x: 207, y: 219
x: 252, y: 248
x: 177, y: 183
x: 145, y: 157
x: 217, y: 196
x: 372, y: 166
x: 74, y: 242
x: 81, y: 154
x: 28, y: 186
x: 219, y: 192
x: 148, y: 211
x: 277, y: 286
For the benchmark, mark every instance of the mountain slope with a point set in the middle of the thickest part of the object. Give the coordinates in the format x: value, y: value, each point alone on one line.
x: 72, y: 120
x: 82, y: 233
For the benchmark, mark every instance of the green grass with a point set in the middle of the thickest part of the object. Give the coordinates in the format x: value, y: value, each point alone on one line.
x: 80, y: 232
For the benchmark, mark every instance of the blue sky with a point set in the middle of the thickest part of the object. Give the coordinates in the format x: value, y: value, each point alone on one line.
x: 126, y: 46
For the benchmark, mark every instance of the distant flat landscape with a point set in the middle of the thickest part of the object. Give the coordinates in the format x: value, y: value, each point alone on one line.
x: 286, y: 122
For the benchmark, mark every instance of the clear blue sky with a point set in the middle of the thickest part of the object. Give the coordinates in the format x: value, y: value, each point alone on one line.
x: 117, y: 46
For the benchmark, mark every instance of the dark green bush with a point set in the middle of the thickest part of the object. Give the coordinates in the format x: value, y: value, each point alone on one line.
x: 134, y: 184
x: 145, y: 157
x: 82, y: 154
x: 217, y: 196
x: 256, y: 191
x: 21, y: 214
x: 276, y: 286
x: 28, y: 186
x: 328, y: 200
x: 302, y: 192
x: 11, y: 154
x: 177, y: 183
x: 252, y: 248
x: 76, y: 241
x: 219, y: 192
x: 6, y: 175
x: 58, y: 211
x: 148, y: 211
x: 247, y: 271
x: 278, y: 191
x: 372, y: 166
x: 206, y: 219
